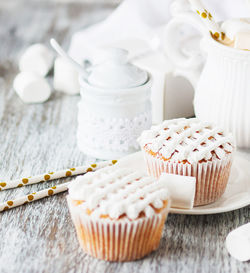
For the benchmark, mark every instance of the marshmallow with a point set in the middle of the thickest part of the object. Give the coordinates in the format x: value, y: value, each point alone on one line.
x: 238, y: 243
x: 65, y: 77
x: 181, y: 188
x: 31, y: 88
x: 232, y: 26
x: 242, y: 40
x: 36, y: 58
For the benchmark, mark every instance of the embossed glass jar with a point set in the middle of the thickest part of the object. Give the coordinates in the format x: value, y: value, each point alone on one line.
x: 115, y: 106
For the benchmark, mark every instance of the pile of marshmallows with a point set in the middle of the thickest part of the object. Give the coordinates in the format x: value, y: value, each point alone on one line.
x: 35, y: 63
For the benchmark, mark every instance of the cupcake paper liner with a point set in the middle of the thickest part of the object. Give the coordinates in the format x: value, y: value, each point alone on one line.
x: 211, y: 176
x: 118, y: 240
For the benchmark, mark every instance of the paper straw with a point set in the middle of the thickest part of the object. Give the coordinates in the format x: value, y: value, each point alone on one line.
x: 52, y: 190
x: 54, y: 175
x: 208, y: 20
x: 33, y: 197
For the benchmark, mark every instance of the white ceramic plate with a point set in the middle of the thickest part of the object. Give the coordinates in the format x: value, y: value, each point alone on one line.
x: 237, y: 194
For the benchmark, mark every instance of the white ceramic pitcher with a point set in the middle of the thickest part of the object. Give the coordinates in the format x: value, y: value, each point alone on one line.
x: 222, y: 87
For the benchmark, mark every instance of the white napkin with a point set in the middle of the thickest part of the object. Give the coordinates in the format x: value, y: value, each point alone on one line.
x: 143, y: 20
x: 132, y: 19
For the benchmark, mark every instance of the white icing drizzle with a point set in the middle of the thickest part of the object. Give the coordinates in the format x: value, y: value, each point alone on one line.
x: 187, y: 139
x: 116, y: 191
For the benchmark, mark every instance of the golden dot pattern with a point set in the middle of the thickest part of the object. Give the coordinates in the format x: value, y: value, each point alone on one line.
x: 10, y: 203
x: 205, y: 14
x: 25, y: 180
x: 30, y: 197
x: 68, y: 173
x: 47, y: 177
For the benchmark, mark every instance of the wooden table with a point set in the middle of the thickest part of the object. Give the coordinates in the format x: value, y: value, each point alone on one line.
x: 40, y: 237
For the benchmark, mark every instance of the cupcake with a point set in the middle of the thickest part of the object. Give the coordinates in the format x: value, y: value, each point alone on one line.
x: 192, y: 148
x: 118, y: 213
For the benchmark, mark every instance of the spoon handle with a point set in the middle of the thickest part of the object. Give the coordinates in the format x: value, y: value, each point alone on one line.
x: 64, y: 55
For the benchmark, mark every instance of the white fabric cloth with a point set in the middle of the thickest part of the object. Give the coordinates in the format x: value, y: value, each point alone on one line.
x: 138, y: 27
x: 143, y: 20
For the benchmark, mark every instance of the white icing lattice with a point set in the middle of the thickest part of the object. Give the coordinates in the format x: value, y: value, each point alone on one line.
x: 187, y: 139
x: 116, y: 191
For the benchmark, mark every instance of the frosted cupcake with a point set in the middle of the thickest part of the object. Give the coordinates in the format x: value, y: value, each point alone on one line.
x: 192, y: 148
x: 119, y: 214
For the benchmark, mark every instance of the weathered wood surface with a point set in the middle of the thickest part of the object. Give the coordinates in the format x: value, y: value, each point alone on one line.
x: 39, y: 237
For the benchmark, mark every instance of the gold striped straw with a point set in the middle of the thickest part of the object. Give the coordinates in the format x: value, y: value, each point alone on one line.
x: 208, y: 20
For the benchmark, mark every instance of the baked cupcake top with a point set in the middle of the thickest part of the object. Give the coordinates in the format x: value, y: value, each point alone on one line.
x: 114, y: 192
x: 186, y: 140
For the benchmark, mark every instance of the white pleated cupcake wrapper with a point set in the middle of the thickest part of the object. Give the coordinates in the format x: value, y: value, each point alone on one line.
x: 118, y: 240
x: 211, y: 177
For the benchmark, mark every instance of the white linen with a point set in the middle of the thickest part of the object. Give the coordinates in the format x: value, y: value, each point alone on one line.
x: 143, y: 19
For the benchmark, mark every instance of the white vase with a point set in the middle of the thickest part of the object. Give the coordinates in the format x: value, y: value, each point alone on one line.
x: 222, y: 89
